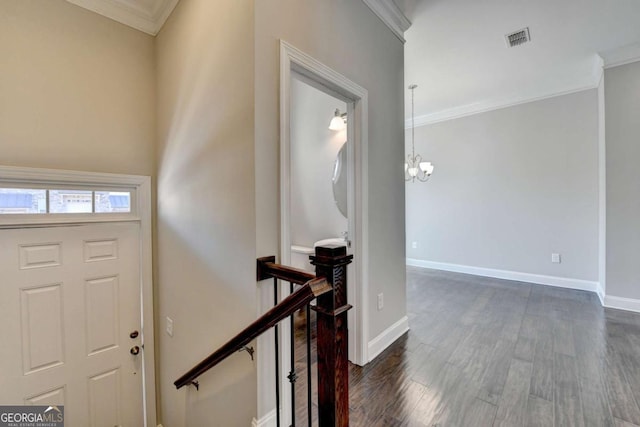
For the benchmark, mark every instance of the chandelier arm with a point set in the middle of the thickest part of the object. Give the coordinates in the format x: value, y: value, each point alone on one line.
x: 425, y: 179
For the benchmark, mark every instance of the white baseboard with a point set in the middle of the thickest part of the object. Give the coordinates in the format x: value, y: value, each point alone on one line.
x: 268, y: 420
x: 387, y: 337
x: 628, y: 304
x: 561, y: 282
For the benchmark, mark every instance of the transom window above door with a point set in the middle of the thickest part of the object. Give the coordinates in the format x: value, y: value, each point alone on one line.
x: 36, y: 197
x: 17, y: 200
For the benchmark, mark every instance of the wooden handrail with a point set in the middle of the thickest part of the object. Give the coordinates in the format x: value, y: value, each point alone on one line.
x: 311, y: 289
x: 267, y: 268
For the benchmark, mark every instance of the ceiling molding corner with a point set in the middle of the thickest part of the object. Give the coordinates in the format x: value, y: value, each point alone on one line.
x: 597, y: 70
x: 621, y: 56
x: 391, y: 15
x: 135, y: 14
x: 163, y: 13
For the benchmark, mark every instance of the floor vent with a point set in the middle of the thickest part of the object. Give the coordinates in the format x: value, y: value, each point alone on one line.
x: 518, y: 37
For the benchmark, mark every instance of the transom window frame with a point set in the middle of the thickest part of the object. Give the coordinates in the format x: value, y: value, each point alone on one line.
x: 69, y: 191
x: 54, y: 179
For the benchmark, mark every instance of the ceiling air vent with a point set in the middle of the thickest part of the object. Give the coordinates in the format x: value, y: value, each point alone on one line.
x: 518, y: 37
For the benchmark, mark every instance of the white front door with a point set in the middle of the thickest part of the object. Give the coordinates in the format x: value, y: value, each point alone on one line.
x: 70, y: 321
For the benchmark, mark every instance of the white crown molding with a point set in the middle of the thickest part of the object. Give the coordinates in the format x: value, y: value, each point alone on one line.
x: 560, y: 282
x: 148, y: 17
x: 391, y: 15
x: 621, y: 56
x: 486, y: 106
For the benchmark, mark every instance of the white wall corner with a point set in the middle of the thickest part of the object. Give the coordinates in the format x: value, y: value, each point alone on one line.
x: 560, y: 282
x: 601, y: 295
x: 269, y: 420
x: 391, y: 15
x: 387, y: 337
x: 602, y: 192
x: 621, y: 56
x: 620, y: 303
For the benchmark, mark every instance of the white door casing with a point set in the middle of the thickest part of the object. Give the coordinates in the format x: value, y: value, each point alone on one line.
x: 356, y: 97
x: 101, y: 285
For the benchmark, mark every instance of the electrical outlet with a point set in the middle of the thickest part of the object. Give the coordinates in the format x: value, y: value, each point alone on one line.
x: 414, y: 245
x: 555, y: 258
x: 380, y: 301
x: 169, y: 326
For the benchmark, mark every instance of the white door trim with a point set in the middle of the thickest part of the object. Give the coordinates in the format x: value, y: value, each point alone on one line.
x: 142, y: 187
x: 294, y: 60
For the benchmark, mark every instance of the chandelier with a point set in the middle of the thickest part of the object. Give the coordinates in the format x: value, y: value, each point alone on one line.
x: 415, y: 167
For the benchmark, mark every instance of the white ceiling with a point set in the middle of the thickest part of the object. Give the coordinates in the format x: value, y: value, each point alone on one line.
x: 456, y: 52
x: 145, y: 15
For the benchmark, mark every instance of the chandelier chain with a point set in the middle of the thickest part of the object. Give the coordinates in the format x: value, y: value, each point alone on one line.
x: 413, y: 121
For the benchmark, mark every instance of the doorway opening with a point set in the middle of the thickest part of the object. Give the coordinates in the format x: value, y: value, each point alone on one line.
x: 319, y: 171
x: 297, y: 65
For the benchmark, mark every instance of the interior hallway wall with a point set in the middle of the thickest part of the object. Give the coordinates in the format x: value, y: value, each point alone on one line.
x: 511, y: 187
x: 348, y: 37
x: 77, y: 90
x: 206, y: 208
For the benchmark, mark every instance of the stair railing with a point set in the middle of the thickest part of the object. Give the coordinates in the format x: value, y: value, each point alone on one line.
x: 329, y: 288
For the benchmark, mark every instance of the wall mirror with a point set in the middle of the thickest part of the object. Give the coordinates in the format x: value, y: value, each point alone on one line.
x: 339, y: 180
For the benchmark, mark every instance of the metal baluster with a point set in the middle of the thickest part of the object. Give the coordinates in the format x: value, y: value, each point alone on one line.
x: 292, y: 375
x: 275, y: 302
x: 309, y: 364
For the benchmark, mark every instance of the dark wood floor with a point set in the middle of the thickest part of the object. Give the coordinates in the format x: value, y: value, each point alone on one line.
x: 489, y: 352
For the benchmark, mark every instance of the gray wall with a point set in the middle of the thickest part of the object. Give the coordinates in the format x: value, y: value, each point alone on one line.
x: 348, y: 37
x: 622, y: 112
x: 510, y: 187
x: 206, y: 208
x: 314, y: 214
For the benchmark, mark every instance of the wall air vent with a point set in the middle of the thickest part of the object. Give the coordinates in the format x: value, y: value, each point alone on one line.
x: 518, y: 37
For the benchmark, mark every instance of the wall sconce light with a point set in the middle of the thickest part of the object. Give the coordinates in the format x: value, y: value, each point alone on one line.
x: 339, y: 120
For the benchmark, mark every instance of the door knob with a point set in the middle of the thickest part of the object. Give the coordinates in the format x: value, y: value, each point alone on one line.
x: 134, y: 334
x: 134, y: 350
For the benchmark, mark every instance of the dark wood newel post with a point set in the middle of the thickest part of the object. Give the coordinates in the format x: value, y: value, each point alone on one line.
x: 332, y: 341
